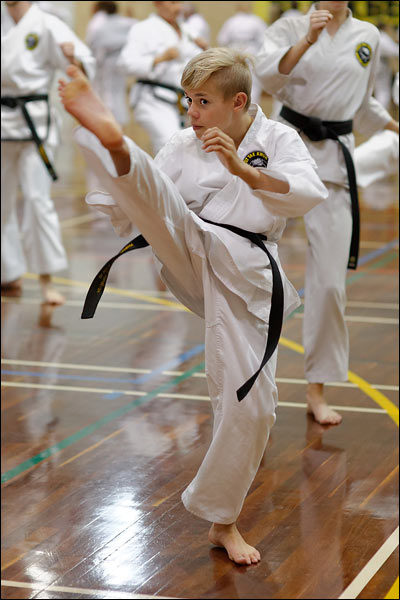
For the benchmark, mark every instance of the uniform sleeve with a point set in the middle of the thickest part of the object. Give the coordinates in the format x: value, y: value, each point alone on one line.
x: 371, y: 117
x: 60, y: 33
x: 293, y: 163
x: 137, y: 56
x: 278, y: 40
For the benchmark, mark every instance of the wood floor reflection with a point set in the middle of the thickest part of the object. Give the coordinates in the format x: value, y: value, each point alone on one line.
x: 106, y: 421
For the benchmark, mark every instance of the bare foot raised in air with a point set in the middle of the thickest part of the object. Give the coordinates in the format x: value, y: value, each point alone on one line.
x: 80, y: 100
x: 228, y: 537
x: 317, y: 406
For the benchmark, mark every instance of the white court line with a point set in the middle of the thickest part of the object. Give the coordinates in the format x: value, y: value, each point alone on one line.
x: 35, y: 363
x: 159, y: 307
x: 356, y: 319
x: 84, y: 591
x: 384, y: 305
x: 372, y: 567
x: 88, y: 390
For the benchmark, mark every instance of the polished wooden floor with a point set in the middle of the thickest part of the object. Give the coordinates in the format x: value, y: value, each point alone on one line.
x: 105, y: 421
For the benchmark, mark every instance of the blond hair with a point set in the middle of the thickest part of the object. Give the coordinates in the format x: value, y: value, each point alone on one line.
x: 228, y: 68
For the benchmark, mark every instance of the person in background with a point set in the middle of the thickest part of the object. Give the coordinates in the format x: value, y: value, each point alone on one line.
x: 244, y: 32
x: 323, y: 99
x: 34, y: 46
x: 388, y: 65
x: 155, y: 54
x: 196, y: 25
x: 106, y: 38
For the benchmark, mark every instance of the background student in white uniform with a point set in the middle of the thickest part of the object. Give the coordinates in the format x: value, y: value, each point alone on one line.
x: 196, y: 25
x: 244, y: 32
x: 111, y: 35
x: 156, y: 52
x: 323, y: 65
x: 34, y: 44
x: 232, y: 166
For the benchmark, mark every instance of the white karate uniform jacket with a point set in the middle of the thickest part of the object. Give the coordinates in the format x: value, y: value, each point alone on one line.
x: 218, y: 275
x: 334, y: 81
x: 148, y: 39
x: 27, y: 70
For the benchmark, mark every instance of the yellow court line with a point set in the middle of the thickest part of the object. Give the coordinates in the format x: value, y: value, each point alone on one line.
x: 114, y: 290
x: 393, y: 593
x: 91, y: 447
x: 376, y: 396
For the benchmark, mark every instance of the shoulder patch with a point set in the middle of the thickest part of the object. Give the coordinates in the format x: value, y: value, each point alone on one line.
x: 256, y: 159
x: 363, y: 53
x: 31, y: 41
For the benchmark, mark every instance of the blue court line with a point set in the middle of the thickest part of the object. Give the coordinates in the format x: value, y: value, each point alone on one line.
x: 367, y: 258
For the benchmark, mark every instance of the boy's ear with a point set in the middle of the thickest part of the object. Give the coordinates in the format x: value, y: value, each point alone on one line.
x: 240, y: 101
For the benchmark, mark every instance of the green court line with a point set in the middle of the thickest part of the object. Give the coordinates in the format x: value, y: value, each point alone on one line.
x: 119, y: 412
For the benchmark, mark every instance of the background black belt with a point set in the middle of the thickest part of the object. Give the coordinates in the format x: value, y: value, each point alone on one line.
x: 317, y: 130
x: 21, y: 101
x: 276, y: 313
x: 178, y: 91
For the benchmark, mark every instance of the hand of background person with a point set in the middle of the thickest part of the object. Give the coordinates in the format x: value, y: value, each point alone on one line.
x: 319, y: 19
x: 168, y: 54
x: 68, y: 49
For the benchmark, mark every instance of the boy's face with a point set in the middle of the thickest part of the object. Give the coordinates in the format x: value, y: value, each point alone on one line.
x: 208, y: 108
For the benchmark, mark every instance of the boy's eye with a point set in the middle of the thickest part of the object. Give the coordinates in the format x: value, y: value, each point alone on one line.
x: 202, y: 101
x: 189, y: 100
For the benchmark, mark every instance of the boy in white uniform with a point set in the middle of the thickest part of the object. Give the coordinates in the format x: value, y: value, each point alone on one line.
x: 207, y: 172
x: 34, y: 45
x: 323, y: 66
x: 155, y: 54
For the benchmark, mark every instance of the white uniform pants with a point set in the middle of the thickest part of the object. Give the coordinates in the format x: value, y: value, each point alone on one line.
x: 325, y: 334
x: 36, y: 244
x: 235, y: 338
x: 160, y: 119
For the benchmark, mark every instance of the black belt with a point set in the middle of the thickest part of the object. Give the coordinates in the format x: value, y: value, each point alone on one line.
x: 316, y: 130
x: 21, y: 101
x: 178, y: 91
x: 276, y: 313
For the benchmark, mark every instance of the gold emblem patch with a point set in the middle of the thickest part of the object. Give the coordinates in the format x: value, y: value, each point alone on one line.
x: 363, y: 53
x: 31, y: 41
x: 256, y: 159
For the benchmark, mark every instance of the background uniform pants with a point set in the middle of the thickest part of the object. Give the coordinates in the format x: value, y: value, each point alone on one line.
x: 36, y: 243
x: 325, y: 334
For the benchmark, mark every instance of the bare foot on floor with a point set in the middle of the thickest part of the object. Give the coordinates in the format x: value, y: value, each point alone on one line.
x: 12, y: 288
x: 317, y: 406
x: 228, y: 537
x: 80, y: 100
x: 49, y: 294
x: 53, y: 297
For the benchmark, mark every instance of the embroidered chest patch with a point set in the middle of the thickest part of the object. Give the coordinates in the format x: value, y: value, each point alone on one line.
x: 256, y: 159
x: 363, y: 53
x: 31, y: 41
